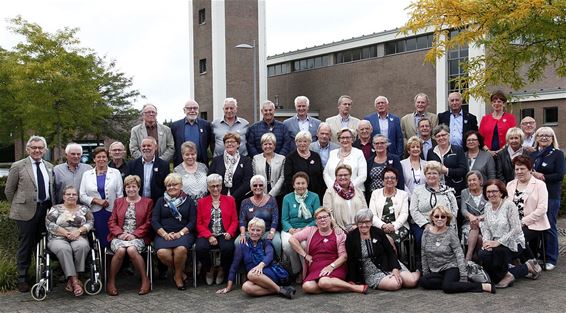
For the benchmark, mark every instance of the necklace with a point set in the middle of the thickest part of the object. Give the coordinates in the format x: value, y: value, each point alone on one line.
x: 343, y: 155
x: 304, y: 155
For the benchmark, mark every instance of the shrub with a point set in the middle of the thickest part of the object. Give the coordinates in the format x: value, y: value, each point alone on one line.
x: 8, y: 248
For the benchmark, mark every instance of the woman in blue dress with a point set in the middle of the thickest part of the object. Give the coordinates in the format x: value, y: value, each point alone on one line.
x: 264, y: 276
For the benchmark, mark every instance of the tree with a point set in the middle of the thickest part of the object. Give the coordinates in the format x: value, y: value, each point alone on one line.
x: 522, y: 38
x: 59, y: 90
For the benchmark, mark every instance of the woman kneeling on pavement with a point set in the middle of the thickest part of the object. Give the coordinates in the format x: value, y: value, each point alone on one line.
x: 264, y: 276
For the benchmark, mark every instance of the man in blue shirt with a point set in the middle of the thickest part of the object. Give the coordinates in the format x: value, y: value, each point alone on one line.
x: 195, y: 129
x: 457, y: 120
x: 269, y: 124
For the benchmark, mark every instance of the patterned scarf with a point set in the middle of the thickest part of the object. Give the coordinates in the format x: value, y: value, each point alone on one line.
x: 230, y: 162
x: 303, y: 211
x: 174, y: 203
x: 345, y: 193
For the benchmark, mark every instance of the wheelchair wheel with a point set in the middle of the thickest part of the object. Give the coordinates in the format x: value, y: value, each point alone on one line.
x: 93, y: 287
x: 38, y: 292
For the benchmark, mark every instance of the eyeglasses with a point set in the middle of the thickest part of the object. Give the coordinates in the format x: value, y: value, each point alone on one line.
x: 471, y: 139
x: 230, y: 142
x: 345, y: 138
x: 379, y: 143
x: 172, y: 185
x: 191, y: 108
x: 527, y: 123
x: 71, y: 194
x: 36, y: 148
x: 544, y: 136
x: 320, y: 218
x: 491, y: 191
x: 364, y: 222
x: 442, y: 135
x: 389, y: 178
x: 257, y: 185
x: 215, y: 186
x: 150, y: 113
x: 439, y: 217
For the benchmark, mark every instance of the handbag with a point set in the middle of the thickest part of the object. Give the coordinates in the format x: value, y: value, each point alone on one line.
x: 476, y: 273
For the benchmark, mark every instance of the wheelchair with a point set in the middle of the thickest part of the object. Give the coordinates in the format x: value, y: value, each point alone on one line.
x: 44, y: 270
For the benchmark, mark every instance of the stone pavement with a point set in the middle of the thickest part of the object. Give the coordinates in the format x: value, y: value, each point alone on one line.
x: 548, y: 294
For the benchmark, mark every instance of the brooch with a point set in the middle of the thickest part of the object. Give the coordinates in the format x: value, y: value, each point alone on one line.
x: 504, y: 120
x: 374, y: 240
x: 312, y: 161
x: 242, y: 165
x: 201, y: 130
x: 325, y: 240
x: 156, y: 170
x: 251, y: 209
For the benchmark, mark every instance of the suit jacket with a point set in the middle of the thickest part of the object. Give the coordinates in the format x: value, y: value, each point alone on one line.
x: 21, y: 189
x: 535, y: 205
x: 400, y: 205
x: 143, y: 219
x: 229, y: 215
x: 470, y: 122
x: 277, y: 176
x: 165, y: 141
x: 113, y: 188
x: 206, y: 140
x: 504, y: 168
x: 292, y: 124
x: 408, y: 124
x: 157, y: 182
x: 410, y: 183
x: 241, y: 179
x: 335, y: 123
x: 394, y: 133
x: 315, y: 146
x: 485, y: 164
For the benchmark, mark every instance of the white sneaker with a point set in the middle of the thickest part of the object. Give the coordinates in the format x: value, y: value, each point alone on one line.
x: 550, y: 266
x: 210, y: 278
x: 220, y: 277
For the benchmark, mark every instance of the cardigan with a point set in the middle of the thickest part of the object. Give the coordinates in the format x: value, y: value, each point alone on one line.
x: 535, y: 205
x: 484, y: 163
x: 229, y: 215
x: 143, y: 219
x: 423, y: 200
x: 384, y: 257
x: 487, y: 125
x: 400, y: 205
x: 344, y: 210
x: 290, y: 211
x: 503, y: 225
x: 277, y: 176
x: 408, y: 175
x: 312, y: 166
x: 550, y: 162
x: 241, y: 179
x: 442, y: 251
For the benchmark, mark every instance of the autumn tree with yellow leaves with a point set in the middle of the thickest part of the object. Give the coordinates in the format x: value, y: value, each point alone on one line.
x: 522, y: 38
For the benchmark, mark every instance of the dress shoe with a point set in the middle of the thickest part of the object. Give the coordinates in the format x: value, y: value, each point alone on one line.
x: 287, y: 291
x: 220, y: 277
x: 549, y: 266
x: 210, y: 278
x: 507, y: 281
x: 23, y: 286
x: 535, y: 269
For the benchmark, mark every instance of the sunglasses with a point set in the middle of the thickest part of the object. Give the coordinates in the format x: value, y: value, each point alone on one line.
x: 439, y: 217
x: 257, y: 185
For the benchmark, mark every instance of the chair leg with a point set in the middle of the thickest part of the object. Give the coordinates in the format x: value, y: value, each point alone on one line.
x: 194, y: 256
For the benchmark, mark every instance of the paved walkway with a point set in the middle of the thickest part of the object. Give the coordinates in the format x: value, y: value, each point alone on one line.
x: 548, y: 294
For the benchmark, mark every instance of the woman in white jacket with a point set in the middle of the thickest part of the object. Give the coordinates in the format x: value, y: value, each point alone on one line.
x: 349, y: 155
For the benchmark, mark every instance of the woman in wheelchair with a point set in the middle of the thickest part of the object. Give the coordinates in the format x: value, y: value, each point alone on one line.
x: 129, y: 227
x: 67, y: 225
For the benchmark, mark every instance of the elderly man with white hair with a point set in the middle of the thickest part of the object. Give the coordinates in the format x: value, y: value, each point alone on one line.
x: 363, y: 142
x: 323, y: 145
x: 529, y: 127
x: 71, y: 172
x: 302, y: 121
x: 268, y: 124
x: 150, y: 127
x: 230, y: 122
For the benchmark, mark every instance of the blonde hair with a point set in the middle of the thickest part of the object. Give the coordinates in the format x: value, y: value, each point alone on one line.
x: 443, y: 210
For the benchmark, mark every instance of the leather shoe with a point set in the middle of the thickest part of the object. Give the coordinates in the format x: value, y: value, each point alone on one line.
x: 209, y: 278
x: 535, y: 269
x: 23, y: 286
x: 507, y: 281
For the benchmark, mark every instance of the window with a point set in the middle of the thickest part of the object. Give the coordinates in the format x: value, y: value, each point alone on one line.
x: 550, y: 115
x: 456, y: 59
x: 356, y: 54
x: 204, y: 115
x: 201, y: 16
x: 202, y: 66
x: 527, y: 112
x: 409, y: 44
x: 390, y: 48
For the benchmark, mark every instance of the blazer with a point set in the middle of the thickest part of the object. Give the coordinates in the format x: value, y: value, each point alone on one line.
x: 485, y: 164
x: 157, y: 182
x: 455, y: 161
x: 505, y: 171
x: 469, y: 206
x: 229, y: 215
x: 165, y: 141
x: 408, y: 123
x: 241, y: 179
x: 113, y: 188
x: 550, y: 162
x: 355, y: 159
x: 343, y: 210
x: 277, y: 177
x: 206, y: 140
x: 535, y: 205
x: 394, y: 133
x: 292, y: 124
x: 488, y: 123
x: 400, y: 204
x: 143, y: 219
x: 470, y: 122
x: 410, y: 183
x: 21, y: 189
x: 335, y: 123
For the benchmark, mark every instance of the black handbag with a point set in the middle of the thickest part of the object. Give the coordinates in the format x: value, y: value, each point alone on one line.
x: 476, y: 273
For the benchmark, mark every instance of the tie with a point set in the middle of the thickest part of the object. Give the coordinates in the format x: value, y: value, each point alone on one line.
x: 40, y: 183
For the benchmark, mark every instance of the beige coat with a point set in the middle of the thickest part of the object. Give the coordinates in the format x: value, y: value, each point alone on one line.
x: 344, y: 211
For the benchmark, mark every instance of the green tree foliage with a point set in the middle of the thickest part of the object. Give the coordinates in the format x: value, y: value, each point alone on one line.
x: 53, y: 87
x: 522, y: 38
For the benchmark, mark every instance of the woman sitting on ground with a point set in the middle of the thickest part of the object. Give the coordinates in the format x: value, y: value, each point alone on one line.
x: 264, y: 276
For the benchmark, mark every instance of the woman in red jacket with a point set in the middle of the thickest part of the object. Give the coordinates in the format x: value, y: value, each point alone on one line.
x: 494, y: 126
x: 217, y: 223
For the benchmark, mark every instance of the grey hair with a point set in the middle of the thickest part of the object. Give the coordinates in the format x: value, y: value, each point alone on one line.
x: 422, y: 94
x: 363, y: 215
x: 149, y: 105
x: 116, y: 143
x: 268, y: 137
x: 381, y: 97
x: 477, y: 173
x: 256, y: 221
x: 214, y: 179
x: 266, y: 103
x: 323, y: 124
x: 231, y: 100
x: 35, y: 138
x: 256, y: 178
x: 302, y: 99
x: 151, y: 139
x: 72, y: 145
x: 438, y: 128
x: 303, y: 134
x: 380, y: 136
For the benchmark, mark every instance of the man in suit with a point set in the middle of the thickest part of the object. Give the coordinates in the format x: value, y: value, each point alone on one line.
x: 71, y: 172
x: 302, y: 121
x: 457, y: 120
x: 387, y: 124
x: 343, y: 119
x: 230, y: 122
x: 195, y: 129
x: 323, y: 145
x: 410, y: 121
x: 150, y: 127
x: 269, y: 124
x: 151, y: 169
x: 29, y: 189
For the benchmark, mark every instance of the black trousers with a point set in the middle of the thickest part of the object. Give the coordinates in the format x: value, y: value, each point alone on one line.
x: 29, y: 234
x: 448, y: 281
x: 496, y: 263
x: 226, y: 247
x: 532, y: 238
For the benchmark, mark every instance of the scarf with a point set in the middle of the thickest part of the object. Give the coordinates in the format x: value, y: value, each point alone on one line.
x: 174, y: 203
x: 540, y: 155
x: 442, y: 190
x: 303, y: 211
x: 230, y: 162
x: 345, y: 193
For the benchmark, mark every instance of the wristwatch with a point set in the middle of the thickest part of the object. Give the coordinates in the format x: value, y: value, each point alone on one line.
x: 333, y: 265
x: 182, y: 233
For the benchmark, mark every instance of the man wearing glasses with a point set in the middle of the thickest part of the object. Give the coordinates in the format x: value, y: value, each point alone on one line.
x: 529, y: 126
x: 150, y: 127
x: 195, y: 129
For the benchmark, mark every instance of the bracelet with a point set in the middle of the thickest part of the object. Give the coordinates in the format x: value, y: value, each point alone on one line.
x: 333, y: 265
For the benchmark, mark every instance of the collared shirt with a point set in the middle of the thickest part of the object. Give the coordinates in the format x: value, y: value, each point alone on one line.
x: 152, y: 132
x: 344, y: 121
x: 456, y: 128
x: 192, y: 132
x: 220, y: 128
x: 529, y: 141
x: 64, y: 177
x: 418, y: 118
x: 427, y: 145
x: 514, y: 154
x: 383, y: 125
x: 122, y: 168
x: 147, y: 172
x: 43, y: 170
x: 304, y: 124
x: 324, y: 153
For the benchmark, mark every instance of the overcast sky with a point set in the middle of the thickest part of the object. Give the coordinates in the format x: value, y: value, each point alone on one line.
x: 149, y: 39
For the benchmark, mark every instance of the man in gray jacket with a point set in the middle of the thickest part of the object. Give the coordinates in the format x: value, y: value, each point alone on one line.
x: 150, y: 127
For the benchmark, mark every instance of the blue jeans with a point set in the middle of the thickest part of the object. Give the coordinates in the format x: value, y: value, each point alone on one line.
x: 551, y: 235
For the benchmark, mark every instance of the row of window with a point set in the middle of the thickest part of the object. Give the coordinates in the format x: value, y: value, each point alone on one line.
x: 408, y: 44
x: 549, y: 114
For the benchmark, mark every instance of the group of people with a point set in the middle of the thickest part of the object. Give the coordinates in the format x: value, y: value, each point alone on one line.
x: 335, y: 200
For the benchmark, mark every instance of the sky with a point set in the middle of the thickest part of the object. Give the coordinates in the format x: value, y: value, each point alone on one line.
x: 149, y: 39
